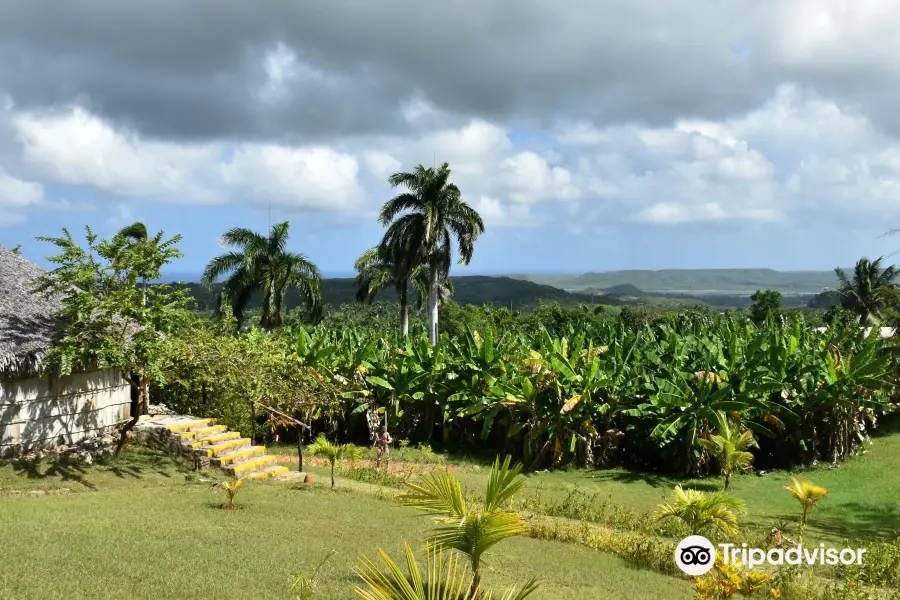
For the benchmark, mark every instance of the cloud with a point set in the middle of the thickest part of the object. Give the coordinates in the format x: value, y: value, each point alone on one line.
x: 661, y: 114
x: 75, y: 147
x: 798, y: 157
x: 338, y: 69
x: 316, y: 178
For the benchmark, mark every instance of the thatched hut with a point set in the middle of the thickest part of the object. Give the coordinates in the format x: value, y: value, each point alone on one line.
x: 45, y: 411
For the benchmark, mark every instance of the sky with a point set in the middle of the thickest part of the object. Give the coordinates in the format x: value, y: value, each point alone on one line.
x: 591, y: 135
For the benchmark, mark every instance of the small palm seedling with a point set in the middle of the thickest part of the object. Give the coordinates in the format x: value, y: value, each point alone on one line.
x: 470, y: 530
x: 703, y: 511
x: 307, y: 586
x: 729, y: 447
x: 443, y: 579
x: 231, y: 489
x: 808, y: 495
x: 333, y: 452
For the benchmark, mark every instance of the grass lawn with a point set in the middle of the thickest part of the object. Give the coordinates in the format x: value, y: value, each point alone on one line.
x: 862, y: 502
x: 149, y: 528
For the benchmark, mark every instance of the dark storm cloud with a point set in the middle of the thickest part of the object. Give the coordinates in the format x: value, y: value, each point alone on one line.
x: 192, y: 68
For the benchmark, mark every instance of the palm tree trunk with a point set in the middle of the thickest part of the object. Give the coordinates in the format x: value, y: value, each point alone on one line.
x: 727, y: 480
x: 432, y: 305
x: 404, y: 309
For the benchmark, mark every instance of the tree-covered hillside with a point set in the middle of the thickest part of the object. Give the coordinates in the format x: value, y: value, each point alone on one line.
x: 476, y: 289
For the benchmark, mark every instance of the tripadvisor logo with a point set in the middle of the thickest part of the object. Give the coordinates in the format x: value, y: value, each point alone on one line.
x: 696, y: 555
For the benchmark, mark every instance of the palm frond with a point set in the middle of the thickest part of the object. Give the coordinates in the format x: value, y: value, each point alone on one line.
x: 478, y: 533
x: 503, y: 484
x: 443, y: 578
x: 439, y: 493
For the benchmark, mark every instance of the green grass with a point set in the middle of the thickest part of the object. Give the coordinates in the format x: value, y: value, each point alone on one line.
x: 146, y: 527
x: 862, y: 502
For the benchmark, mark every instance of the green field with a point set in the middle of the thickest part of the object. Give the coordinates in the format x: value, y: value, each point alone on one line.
x: 147, y: 527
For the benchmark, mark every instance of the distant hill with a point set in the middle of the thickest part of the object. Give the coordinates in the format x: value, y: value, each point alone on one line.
x: 698, y: 282
x: 623, y: 289
x: 474, y: 289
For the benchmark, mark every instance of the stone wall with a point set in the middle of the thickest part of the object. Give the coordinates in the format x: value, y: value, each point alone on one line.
x: 46, y: 412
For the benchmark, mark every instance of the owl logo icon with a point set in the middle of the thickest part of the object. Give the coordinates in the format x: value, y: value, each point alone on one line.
x: 695, y: 555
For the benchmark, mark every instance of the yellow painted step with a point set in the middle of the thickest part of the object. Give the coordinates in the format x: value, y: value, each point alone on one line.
x: 213, y: 439
x: 186, y: 435
x: 279, y: 470
x: 242, y: 454
x: 226, y: 446
x: 189, y: 424
x: 252, y: 464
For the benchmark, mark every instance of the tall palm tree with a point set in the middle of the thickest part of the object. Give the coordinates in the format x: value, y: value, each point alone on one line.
x: 423, y: 223
x: 729, y: 447
x: 136, y: 234
x: 869, y: 291
x: 263, y: 264
x: 376, y: 270
x: 702, y: 512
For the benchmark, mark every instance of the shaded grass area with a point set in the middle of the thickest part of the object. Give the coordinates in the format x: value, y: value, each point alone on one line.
x: 140, y: 467
x: 146, y: 527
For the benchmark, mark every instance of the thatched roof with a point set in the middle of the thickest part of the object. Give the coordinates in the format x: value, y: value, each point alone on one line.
x: 26, y: 317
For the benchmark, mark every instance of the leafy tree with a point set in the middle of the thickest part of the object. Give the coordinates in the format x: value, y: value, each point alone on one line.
x: 423, y: 223
x: 333, y: 452
x: 471, y: 530
x: 763, y: 304
x: 729, y: 447
x: 263, y: 264
x: 105, y: 321
x: 444, y: 579
x: 213, y: 372
x: 808, y: 495
x: 377, y: 269
x: 703, y: 511
x: 870, y: 290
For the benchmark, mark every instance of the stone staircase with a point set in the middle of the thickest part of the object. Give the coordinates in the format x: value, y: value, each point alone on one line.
x: 210, y: 445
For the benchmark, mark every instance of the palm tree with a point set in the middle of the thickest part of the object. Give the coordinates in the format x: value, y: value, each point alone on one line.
x: 423, y: 223
x: 729, y: 447
x: 869, y: 291
x: 263, y: 264
x: 333, y: 452
x: 231, y: 488
x: 471, y: 530
x: 807, y: 495
x: 136, y: 234
x: 443, y: 579
x: 701, y: 511
x: 376, y: 270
